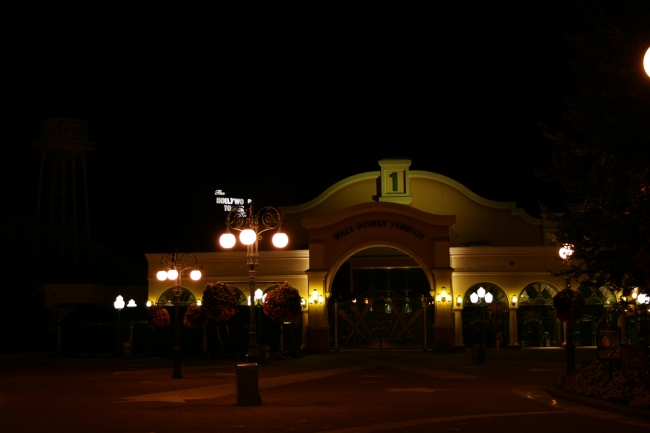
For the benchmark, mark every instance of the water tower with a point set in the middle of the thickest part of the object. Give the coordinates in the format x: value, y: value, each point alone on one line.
x: 62, y: 233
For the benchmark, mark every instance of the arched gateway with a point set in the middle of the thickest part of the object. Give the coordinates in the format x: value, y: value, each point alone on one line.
x: 457, y: 238
x: 336, y: 237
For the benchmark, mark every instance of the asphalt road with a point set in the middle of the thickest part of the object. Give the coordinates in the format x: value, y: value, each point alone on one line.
x: 388, y: 391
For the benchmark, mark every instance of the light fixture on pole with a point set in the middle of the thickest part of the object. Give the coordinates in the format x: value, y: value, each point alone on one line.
x: 566, y: 251
x: 250, y: 226
x: 172, y: 267
x: 119, y: 304
x: 482, y: 298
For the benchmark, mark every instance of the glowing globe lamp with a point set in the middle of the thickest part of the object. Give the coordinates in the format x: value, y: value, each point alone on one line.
x: 247, y: 237
x: 280, y: 240
x: 227, y: 240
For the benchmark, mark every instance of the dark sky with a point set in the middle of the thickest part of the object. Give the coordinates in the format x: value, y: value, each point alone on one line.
x: 276, y: 104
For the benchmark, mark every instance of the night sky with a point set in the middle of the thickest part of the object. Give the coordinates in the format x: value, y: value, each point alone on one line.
x: 183, y: 101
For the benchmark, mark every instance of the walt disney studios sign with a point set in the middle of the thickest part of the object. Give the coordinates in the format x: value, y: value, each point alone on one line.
x: 383, y: 224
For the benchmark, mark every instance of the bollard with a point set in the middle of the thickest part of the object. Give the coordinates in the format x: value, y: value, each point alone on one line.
x: 247, y: 393
x: 265, y: 354
x: 126, y: 350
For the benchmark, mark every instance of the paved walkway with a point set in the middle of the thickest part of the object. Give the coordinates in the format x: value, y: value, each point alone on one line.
x: 345, y: 392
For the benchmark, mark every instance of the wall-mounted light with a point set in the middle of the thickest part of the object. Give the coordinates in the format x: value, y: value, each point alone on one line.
x: 303, y: 303
x: 514, y: 300
x: 459, y: 300
x: 443, y: 297
x: 149, y: 303
x: 198, y: 302
x: 315, y: 299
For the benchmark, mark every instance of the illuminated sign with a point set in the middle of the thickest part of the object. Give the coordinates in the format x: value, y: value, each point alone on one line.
x: 229, y: 202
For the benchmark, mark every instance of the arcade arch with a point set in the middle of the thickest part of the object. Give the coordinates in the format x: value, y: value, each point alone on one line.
x: 485, y: 322
x: 537, y: 324
x: 377, y: 256
x: 598, y: 301
x: 379, y: 295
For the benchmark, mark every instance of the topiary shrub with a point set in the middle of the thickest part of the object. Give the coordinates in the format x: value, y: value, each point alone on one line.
x: 219, y: 302
x: 158, y: 317
x: 283, y: 304
x: 569, y: 305
x: 195, y: 317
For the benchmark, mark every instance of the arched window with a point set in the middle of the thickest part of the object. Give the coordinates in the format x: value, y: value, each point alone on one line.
x: 167, y: 298
x: 597, y: 296
x: 485, y: 322
x: 537, y: 293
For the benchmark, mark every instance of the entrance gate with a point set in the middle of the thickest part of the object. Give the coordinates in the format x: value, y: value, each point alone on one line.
x: 538, y: 327
x: 382, y: 323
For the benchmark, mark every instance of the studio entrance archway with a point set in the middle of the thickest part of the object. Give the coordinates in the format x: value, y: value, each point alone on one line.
x: 338, y: 237
x: 380, y: 299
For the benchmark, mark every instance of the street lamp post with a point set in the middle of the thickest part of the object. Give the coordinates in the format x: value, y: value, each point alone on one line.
x: 482, y: 298
x: 566, y: 251
x: 119, y: 304
x: 172, y: 267
x: 250, y: 226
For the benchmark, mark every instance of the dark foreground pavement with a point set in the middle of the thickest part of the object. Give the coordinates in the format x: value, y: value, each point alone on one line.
x: 387, y: 391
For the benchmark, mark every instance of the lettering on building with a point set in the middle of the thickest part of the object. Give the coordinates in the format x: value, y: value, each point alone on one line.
x: 379, y: 224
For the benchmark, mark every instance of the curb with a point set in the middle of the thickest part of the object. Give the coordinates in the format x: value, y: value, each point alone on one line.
x: 599, y: 404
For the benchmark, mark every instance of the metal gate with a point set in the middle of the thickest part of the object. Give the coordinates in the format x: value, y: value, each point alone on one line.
x: 538, y: 327
x: 486, y: 325
x: 382, y: 323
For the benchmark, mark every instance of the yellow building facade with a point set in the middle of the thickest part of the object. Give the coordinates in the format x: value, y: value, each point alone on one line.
x: 396, y: 218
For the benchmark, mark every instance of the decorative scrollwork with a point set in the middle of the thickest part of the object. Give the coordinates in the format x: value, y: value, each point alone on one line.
x: 168, y: 260
x: 237, y: 218
x: 188, y: 261
x: 173, y: 261
x: 267, y: 218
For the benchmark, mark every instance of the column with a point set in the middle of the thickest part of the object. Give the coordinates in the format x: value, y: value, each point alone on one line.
x: 444, y: 335
x: 318, y: 330
x: 514, y: 335
x: 458, y: 328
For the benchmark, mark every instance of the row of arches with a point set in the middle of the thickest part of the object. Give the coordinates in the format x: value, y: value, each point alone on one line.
x: 483, y: 322
x: 536, y: 322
